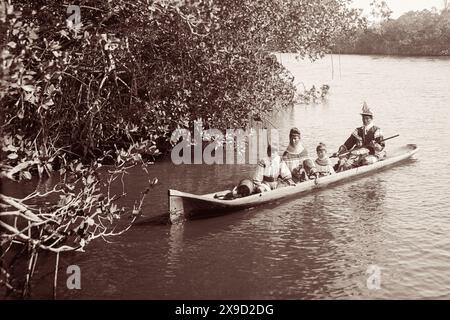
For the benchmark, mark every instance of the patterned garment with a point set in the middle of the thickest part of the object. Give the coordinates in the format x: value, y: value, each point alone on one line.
x: 363, y: 136
x: 269, y: 170
x: 294, y: 158
x: 324, y: 167
x: 366, y: 137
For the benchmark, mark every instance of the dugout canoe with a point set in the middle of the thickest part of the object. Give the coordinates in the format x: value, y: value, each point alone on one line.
x: 184, y: 206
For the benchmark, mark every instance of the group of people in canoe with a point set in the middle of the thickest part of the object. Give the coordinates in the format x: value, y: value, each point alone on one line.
x: 364, y: 146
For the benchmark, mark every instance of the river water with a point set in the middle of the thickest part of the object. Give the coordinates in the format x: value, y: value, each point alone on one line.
x: 393, y: 226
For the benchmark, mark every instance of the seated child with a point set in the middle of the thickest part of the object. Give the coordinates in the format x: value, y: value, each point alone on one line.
x: 323, y: 163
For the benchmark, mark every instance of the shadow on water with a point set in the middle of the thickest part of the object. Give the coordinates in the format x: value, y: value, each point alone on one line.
x: 159, y: 219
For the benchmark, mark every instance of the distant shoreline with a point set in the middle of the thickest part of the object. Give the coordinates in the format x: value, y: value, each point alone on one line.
x: 377, y: 54
x: 415, y: 33
x: 405, y: 55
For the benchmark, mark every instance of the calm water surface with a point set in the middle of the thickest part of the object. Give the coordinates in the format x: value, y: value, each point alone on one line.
x: 319, y: 246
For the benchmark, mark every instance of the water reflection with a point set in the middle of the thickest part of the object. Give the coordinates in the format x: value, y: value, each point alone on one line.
x: 318, y: 239
x: 175, y: 250
x: 46, y: 184
x: 325, y: 240
x: 367, y: 197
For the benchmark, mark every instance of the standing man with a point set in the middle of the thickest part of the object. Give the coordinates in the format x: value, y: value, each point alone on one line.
x: 365, y: 143
x: 297, y: 158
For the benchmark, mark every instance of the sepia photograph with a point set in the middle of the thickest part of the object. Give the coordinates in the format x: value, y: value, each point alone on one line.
x: 224, y: 150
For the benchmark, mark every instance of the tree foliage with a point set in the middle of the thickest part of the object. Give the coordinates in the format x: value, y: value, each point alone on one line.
x: 414, y: 33
x: 139, y: 69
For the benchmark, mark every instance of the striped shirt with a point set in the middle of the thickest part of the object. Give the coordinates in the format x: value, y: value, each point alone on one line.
x: 295, y: 157
x: 271, y: 168
x: 365, y: 137
x: 324, y: 166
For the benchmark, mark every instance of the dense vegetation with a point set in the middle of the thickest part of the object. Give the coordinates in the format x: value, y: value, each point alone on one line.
x: 424, y: 33
x: 140, y: 69
x: 114, y: 82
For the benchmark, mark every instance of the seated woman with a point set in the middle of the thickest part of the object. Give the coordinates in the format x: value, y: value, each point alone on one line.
x: 297, y: 158
x: 323, y: 163
x: 272, y: 172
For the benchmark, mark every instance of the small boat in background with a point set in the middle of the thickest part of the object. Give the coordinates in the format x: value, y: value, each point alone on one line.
x: 184, y: 206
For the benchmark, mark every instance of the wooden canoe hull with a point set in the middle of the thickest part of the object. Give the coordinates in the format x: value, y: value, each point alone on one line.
x: 183, y: 206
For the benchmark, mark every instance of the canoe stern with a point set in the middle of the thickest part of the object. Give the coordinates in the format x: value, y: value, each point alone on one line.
x: 184, y: 206
x: 176, y: 207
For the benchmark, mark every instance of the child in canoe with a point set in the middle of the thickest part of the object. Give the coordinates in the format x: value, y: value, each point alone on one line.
x: 323, y: 163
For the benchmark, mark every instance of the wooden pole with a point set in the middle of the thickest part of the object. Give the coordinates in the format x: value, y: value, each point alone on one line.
x: 332, y: 66
x: 335, y: 155
x: 340, y: 73
x: 55, y: 281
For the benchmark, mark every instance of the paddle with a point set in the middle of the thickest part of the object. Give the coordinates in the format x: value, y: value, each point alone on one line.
x: 335, y: 155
